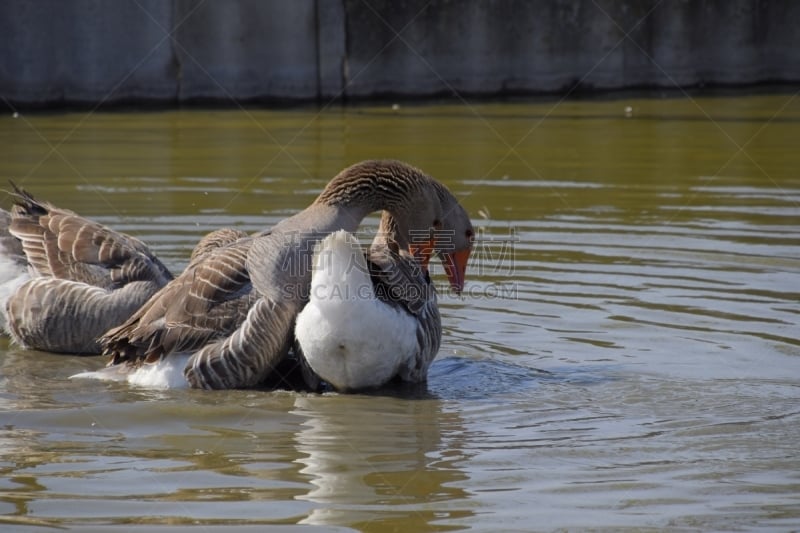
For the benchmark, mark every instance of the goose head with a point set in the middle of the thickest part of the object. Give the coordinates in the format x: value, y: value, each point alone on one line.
x: 420, y: 214
x: 453, y: 241
x: 435, y: 226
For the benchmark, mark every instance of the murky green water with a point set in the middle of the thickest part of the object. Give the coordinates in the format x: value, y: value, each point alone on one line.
x: 627, y: 354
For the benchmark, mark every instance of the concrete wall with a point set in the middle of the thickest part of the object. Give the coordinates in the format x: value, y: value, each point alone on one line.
x: 173, y: 51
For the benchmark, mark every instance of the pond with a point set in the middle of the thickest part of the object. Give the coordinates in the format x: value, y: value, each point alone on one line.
x: 626, y: 354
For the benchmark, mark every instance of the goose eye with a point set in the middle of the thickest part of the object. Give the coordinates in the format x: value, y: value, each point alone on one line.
x: 437, y: 224
x: 470, y: 235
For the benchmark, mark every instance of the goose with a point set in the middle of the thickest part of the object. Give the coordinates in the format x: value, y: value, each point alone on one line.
x: 77, y: 278
x: 374, y: 317
x: 229, y: 317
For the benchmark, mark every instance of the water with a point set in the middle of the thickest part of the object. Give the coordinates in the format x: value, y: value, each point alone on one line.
x: 626, y: 356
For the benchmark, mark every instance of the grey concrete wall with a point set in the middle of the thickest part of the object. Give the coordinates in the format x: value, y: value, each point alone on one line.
x: 85, y: 51
x: 529, y: 46
x: 246, y: 49
x: 174, y: 51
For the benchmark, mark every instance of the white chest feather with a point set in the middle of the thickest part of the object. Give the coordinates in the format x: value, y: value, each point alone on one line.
x: 165, y: 374
x: 350, y: 338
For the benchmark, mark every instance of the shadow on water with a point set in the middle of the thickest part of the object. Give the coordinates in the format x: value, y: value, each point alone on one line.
x: 37, y: 379
x: 458, y: 378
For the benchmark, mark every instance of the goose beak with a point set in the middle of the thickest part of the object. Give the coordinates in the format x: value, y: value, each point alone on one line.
x: 455, y: 266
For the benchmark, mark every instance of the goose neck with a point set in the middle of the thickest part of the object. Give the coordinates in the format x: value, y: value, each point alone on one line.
x: 376, y: 185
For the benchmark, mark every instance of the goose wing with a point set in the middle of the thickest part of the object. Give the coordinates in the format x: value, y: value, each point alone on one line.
x: 61, y: 244
x: 209, y: 300
x: 252, y: 351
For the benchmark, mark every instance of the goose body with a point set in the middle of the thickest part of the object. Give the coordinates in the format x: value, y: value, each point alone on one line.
x: 234, y: 309
x: 366, y: 324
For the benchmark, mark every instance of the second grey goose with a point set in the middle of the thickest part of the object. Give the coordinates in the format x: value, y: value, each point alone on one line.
x: 85, y: 278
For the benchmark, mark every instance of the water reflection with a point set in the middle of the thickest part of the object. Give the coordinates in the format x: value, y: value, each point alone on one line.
x: 379, y: 463
x: 183, y: 459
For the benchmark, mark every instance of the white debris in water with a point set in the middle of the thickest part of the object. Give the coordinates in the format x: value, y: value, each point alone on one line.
x: 628, y: 111
x: 15, y: 115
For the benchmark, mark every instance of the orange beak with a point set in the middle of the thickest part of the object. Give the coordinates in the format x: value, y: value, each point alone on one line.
x: 455, y: 266
x: 423, y: 251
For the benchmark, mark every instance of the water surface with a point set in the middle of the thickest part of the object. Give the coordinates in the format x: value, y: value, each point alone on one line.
x: 626, y: 354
